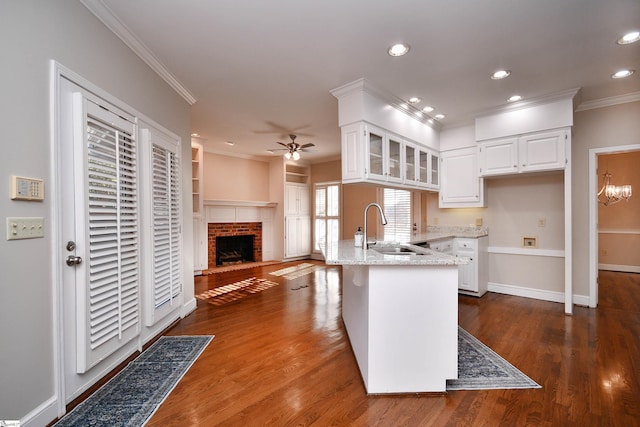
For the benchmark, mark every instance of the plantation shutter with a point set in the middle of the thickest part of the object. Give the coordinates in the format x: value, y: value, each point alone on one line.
x: 397, y: 209
x: 166, y: 226
x: 107, y: 228
x: 163, y: 195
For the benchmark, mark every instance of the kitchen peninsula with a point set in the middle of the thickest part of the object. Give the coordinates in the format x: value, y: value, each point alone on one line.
x: 400, y: 309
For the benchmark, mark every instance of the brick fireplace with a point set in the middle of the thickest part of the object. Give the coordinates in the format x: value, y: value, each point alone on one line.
x: 225, y: 229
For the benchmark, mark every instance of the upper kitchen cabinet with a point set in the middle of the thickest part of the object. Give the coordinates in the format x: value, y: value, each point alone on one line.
x: 461, y: 186
x: 533, y: 152
x: 370, y: 154
x: 384, y: 141
x: 421, y: 167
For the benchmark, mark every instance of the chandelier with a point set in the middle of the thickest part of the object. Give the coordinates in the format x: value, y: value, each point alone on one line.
x: 611, y: 194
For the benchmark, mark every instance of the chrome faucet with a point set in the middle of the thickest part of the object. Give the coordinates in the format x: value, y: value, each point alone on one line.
x: 383, y: 219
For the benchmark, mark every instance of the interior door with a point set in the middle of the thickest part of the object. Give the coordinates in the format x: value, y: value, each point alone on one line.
x: 99, y: 229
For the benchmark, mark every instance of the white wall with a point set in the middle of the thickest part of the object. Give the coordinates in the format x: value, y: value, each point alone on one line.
x: 31, y: 34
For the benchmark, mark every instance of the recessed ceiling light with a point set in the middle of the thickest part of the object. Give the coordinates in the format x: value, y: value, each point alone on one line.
x: 195, y: 135
x: 398, y: 49
x: 414, y: 100
x: 428, y: 109
x: 231, y: 143
x: 622, y: 74
x: 500, y: 74
x: 514, y: 98
x: 628, y: 38
x: 419, y: 113
x: 439, y: 116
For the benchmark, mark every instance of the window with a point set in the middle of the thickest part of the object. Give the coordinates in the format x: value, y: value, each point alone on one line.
x: 397, y: 209
x: 327, y: 214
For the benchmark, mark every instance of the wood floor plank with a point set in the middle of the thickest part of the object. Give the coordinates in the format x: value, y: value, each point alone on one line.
x: 281, y: 357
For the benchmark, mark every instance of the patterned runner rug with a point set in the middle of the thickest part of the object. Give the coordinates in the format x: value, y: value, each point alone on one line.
x: 480, y: 368
x: 136, y: 392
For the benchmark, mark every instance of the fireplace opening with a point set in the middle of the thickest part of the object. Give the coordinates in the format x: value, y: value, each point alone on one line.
x: 234, y: 249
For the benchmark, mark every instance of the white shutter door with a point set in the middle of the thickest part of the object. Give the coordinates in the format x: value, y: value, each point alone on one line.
x: 161, y: 294
x: 107, y: 229
x: 166, y: 226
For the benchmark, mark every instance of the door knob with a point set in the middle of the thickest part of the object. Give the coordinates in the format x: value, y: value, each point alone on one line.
x: 73, y: 260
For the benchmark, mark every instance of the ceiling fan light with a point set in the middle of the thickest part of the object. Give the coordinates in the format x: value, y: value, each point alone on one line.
x: 287, y: 155
x: 296, y: 155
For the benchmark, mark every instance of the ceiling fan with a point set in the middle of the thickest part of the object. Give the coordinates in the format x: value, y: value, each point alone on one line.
x: 293, y: 149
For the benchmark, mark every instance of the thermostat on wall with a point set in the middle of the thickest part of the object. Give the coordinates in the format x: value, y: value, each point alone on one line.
x: 26, y: 188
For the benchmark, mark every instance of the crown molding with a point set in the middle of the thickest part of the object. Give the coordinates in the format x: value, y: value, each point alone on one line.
x: 573, y: 94
x: 112, y: 22
x: 608, y: 102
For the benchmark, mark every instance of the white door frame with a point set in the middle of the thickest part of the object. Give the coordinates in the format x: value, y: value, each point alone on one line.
x: 593, y: 214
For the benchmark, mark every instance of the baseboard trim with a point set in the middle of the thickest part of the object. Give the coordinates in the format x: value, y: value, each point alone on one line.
x: 540, y: 294
x: 42, y: 415
x: 188, y: 308
x: 620, y: 268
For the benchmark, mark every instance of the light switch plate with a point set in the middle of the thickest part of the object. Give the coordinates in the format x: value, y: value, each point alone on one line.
x: 24, y: 228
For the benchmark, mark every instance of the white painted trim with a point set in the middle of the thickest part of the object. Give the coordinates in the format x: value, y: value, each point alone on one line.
x: 619, y: 231
x: 608, y: 102
x: 188, y: 308
x: 539, y: 294
x: 593, y: 214
x: 43, y: 414
x: 533, y: 102
x: 556, y: 253
x: 568, y: 230
x: 619, y: 267
x: 112, y: 22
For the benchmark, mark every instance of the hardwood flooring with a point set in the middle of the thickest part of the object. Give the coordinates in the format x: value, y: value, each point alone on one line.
x: 281, y: 357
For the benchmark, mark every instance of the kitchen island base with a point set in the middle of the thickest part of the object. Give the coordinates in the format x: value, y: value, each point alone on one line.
x: 402, y: 321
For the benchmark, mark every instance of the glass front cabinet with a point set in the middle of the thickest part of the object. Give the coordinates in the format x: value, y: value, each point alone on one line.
x: 370, y: 154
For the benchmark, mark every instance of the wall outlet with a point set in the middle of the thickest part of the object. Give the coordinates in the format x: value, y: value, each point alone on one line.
x: 542, y: 222
x: 435, y: 220
x: 478, y: 222
x: 530, y: 242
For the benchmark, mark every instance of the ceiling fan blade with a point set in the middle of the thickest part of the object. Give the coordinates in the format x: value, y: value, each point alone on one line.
x: 283, y: 144
x: 307, y: 145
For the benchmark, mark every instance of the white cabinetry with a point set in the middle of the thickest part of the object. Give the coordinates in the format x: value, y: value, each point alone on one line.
x: 421, y: 167
x: 442, y: 245
x: 472, y: 277
x: 297, y: 220
x: 200, y: 255
x: 539, y: 151
x: 461, y: 186
x: 370, y: 154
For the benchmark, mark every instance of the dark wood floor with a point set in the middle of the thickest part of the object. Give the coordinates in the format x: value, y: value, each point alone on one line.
x: 281, y: 358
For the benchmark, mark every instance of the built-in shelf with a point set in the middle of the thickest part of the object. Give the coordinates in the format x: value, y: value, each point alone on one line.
x: 296, y: 174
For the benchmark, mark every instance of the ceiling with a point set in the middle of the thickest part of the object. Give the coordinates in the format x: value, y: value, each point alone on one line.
x: 260, y: 70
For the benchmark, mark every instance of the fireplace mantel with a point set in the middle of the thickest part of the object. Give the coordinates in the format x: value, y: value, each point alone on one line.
x: 240, y: 203
x: 241, y: 211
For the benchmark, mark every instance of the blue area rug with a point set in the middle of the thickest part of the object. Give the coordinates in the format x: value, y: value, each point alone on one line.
x: 480, y: 368
x: 134, y: 394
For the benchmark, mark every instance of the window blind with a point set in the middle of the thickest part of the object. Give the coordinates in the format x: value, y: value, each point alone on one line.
x: 397, y: 209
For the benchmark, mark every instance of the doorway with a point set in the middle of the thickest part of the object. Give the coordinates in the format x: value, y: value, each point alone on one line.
x: 595, y: 183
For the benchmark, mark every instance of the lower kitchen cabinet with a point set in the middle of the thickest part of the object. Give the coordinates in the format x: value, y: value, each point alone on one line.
x: 472, y: 277
x: 297, y: 236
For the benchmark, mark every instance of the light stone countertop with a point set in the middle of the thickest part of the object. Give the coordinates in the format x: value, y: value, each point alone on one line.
x: 345, y: 252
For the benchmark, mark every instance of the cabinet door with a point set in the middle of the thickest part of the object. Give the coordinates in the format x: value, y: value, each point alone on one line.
x: 499, y: 157
x: 423, y: 167
x: 461, y: 186
x: 303, y: 200
x: 409, y: 164
x: 353, y: 152
x: 375, y: 152
x: 434, y: 170
x: 298, y: 236
x: 467, y: 273
x: 291, y: 201
x: 393, y: 159
x: 542, y: 151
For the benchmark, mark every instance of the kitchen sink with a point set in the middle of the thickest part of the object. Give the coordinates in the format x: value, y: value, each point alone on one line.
x: 401, y: 249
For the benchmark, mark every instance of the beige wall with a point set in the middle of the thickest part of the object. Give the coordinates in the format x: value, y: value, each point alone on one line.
x: 233, y: 178
x: 618, y: 246
x: 617, y: 125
